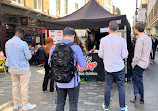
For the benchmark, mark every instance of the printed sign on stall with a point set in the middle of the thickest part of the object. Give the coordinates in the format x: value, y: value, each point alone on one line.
x: 94, y: 67
x: 57, y: 35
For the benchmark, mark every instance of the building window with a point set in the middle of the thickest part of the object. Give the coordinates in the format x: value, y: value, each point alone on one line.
x: 20, y: 2
x: 66, y: 7
x: 58, y: 7
x: 38, y: 4
x: 76, y: 6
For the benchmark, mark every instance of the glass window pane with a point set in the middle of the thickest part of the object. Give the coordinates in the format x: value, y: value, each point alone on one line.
x: 76, y: 6
x: 21, y: 2
x: 66, y: 7
x: 58, y: 7
x: 35, y: 4
x: 14, y: 0
x: 40, y: 4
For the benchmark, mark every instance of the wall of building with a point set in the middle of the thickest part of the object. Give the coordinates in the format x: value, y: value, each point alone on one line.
x: 70, y: 9
x: 152, y: 16
x: 108, y: 5
x: 30, y: 5
x: 101, y: 2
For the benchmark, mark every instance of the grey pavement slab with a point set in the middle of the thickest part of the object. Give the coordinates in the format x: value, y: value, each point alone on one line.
x: 91, y: 93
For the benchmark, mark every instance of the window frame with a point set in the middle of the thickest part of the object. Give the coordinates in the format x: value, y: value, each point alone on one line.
x: 17, y: 2
x: 58, y: 12
x: 66, y: 7
x: 37, y: 3
x: 76, y: 6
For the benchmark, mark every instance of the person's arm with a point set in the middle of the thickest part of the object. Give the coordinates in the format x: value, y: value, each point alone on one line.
x: 27, y: 51
x: 80, y: 58
x: 101, y: 49
x: 84, y: 46
x: 94, y: 47
x: 50, y: 54
x: 3, y: 55
x: 124, y: 50
x: 137, y: 53
x: 7, y: 62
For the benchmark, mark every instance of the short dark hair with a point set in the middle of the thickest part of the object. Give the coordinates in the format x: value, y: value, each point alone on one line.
x: 20, y: 30
x: 140, y: 27
x: 113, y: 25
x: 68, y: 31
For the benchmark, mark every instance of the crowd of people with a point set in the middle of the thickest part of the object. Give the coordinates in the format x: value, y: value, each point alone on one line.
x: 113, y: 51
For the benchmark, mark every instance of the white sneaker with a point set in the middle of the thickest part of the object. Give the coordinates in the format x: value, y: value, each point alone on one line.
x: 28, y: 107
x: 124, y: 109
x: 16, y: 107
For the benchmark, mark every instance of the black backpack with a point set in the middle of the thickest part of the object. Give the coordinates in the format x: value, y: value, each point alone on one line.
x: 62, y: 63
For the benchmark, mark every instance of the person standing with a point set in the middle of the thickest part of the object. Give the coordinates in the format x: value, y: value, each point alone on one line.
x: 113, y: 49
x: 71, y: 88
x: 140, y: 62
x: 40, y: 55
x: 154, y: 46
x: 18, y: 56
x: 47, y: 47
x: 91, y: 44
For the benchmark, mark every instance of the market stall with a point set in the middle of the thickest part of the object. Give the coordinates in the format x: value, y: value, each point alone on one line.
x: 94, y: 17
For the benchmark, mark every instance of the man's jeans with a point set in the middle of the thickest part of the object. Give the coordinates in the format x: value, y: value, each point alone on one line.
x: 120, y: 79
x: 138, y: 81
x: 73, y: 98
x: 154, y: 53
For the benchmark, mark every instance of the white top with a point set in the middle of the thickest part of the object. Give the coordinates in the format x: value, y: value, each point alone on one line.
x: 142, y: 51
x: 113, y: 49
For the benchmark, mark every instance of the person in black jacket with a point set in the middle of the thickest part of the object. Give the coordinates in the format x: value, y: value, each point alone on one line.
x: 40, y: 55
x: 154, y: 46
x: 47, y: 47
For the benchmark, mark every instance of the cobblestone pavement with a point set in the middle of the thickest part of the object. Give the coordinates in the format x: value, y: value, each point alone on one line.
x: 91, y: 93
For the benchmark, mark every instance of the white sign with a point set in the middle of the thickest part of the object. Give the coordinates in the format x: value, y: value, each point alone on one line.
x: 141, y: 15
x: 57, y: 35
x: 103, y: 30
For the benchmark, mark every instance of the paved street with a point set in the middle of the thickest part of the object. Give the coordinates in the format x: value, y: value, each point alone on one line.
x: 91, y: 93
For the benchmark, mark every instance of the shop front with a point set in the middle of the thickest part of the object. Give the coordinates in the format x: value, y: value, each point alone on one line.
x: 93, y: 18
x: 33, y: 22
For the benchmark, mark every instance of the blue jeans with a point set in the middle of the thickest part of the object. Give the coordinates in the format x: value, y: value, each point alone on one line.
x: 154, y: 53
x: 138, y: 81
x: 120, y: 79
x: 73, y: 98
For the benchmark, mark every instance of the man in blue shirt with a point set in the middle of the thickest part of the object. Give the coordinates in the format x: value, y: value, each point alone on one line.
x: 71, y: 88
x: 18, y: 55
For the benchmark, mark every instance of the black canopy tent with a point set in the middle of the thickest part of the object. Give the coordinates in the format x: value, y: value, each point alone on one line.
x: 94, y: 16
x: 91, y: 16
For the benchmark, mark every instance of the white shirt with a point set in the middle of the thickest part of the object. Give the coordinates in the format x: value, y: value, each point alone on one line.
x: 142, y: 51
x: 113, y: 49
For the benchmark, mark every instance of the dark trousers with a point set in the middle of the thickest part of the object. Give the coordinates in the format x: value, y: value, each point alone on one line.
x: 120, y: 79
x: 138, y: 81
x: 73, y: 98
x: 154, y: 53
x: 46, y: 80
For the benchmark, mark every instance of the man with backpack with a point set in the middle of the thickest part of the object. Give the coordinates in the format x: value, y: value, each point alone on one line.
x: 64, y: 58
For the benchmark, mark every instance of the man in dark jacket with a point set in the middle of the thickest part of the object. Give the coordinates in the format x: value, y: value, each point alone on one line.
x: 154, y: 46
x: 40, y: 55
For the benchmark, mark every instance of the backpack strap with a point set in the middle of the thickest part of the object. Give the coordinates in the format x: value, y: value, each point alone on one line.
x: 76, y: 70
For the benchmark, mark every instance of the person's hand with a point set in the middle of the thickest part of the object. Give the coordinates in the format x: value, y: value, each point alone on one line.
x: 133, y: 66
x: 90, y: 51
